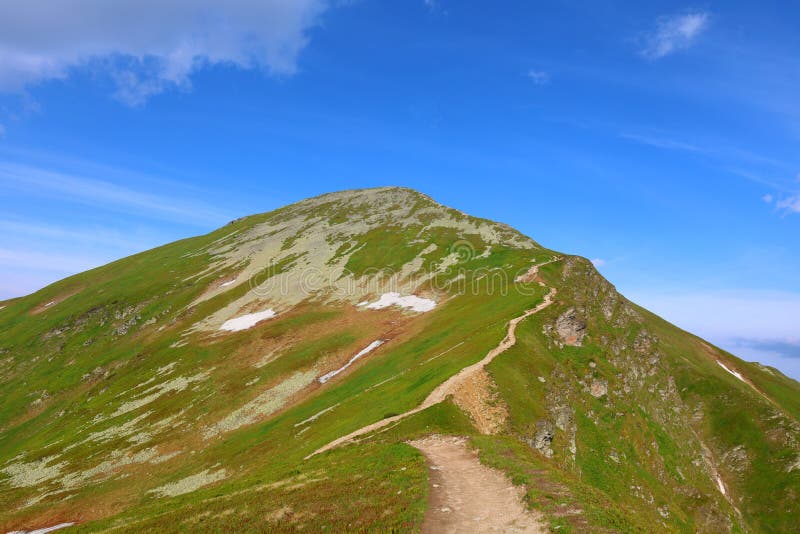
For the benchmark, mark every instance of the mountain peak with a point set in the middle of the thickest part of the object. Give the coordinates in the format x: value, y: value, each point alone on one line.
x: 191, y: 385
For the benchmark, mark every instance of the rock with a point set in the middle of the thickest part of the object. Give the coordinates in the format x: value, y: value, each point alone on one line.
x: 736, y: 459
x: 545, y: 432
x: 98, y: 373
x: 570, y: 328
x: 563, y: 416
x: 598, y: 388
x: 794, y: 465
x: 644, y: 342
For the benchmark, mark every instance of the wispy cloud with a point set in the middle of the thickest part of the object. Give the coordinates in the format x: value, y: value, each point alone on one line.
x: 97, y: 236
x: 539, y: 77
x: 85, y: 190
x: 598, y: 262
x: 49, y: 262
x: 789, y: 204
x: 674, y: 33
x: 788, y: 347
x: 736, y: 161
x: 661, y: 142
x: 146, y: 49
x: 728, y: 317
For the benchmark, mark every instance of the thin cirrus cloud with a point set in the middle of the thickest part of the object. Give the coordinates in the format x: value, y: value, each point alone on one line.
x: 786, y: 198
x: 147, y: 46
x: 674, y: 33
x: 788, y: 347
x: 30, y: 180
x: 539, y: 77
x: 758, y: 325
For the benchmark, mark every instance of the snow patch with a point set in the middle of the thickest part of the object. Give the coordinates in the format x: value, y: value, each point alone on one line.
x: 374, y: 345
x: 412, y: 302
x: 316, y: 415
x: 247, y: 321
x: 720, y: 485
x: 49, y: 304
x: 731, y: 371
x: 228, y: 283
x: 43, y: 530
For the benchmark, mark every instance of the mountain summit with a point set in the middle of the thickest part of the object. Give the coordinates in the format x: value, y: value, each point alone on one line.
x: 371, y: 360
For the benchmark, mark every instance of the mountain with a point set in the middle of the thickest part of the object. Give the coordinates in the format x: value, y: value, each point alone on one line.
x: 300, y: 370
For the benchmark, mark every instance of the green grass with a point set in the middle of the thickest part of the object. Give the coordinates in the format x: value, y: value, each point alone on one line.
x: 647, y: 420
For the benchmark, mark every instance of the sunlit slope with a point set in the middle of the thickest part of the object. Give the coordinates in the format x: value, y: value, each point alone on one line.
x: 146, y: 394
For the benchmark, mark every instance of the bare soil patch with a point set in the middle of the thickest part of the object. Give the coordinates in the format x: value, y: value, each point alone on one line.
x: 466, y: 496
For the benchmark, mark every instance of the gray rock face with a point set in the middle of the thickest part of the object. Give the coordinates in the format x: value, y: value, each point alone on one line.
x: 736, y: 459
x: 543, y: 437
x: 598, y: 388
x: 571, y: 329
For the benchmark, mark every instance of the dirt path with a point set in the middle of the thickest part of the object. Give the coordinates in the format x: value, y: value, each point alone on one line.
x: 449, y: 386
x: 466, y: 496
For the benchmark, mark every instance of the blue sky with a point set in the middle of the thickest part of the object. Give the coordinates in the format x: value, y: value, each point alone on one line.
x: 658, y: 138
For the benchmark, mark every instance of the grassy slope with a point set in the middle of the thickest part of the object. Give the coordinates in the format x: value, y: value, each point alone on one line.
x: 379, y: 484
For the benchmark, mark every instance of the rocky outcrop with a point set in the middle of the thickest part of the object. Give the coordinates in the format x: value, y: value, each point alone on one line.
x: 571, y: 329
x: 543, y: 437
x: 598, y: 388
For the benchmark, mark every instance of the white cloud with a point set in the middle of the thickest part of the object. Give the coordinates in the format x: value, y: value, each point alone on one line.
x: 597, y: 262
x: 674, y: 33
x: 539, y: 77
x: 790, y: 204
x: 148, y: 46
x: 767, y: 198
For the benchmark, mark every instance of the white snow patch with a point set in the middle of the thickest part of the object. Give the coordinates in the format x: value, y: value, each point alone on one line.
x: 731, y: 371
x: 327, y: 376
x: 721, y: 486
x: 247, y: 321
x: 317, y: 415
x: 43, y: 530
x: 228, y: 283
x: 2, y: 307
x: 49, y: 304
x: 412, y: 302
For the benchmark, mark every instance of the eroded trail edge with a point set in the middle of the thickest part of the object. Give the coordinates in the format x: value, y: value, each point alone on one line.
x: 467, y: 496
x: 449, y: 386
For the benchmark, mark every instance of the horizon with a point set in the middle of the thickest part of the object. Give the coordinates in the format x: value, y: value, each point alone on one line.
x: 659, y: 141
